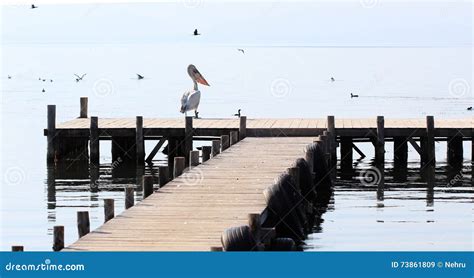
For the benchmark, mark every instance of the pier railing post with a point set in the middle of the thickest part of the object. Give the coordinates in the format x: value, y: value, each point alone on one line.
x: 188, y: 138
x: 216, y: 147
x: 147, y: 186
x: 163, y: 175
x: 193, y: 158
x: 243, y: 127
x: 225, y: 143
x: 331, y: 128
x: 17, y: 248
x: 83, y: 223
x: 129, y: 197
x: 430, y: 148
x: 179, y: 165
x: 234, y: 137
x: 94, y: 142
x: 58, y: 238
x: 206, y: 153
x: 109, y: 209
x: 51, y: 152
x: 140, y: 141
x: 84, y: 103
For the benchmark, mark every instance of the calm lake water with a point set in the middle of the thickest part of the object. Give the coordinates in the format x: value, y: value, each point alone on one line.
x: 266, y: 81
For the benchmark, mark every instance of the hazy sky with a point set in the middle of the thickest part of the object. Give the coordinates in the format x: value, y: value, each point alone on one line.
x: 341, y: 23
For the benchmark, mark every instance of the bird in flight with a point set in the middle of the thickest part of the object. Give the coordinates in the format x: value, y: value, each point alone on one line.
x: 469, y: 108
x: 352, y: 95
x: 332, y: 79
x: 196, y: 33
x: 190, y: 99
x: 79, y: 78
x: 241, y: 50
x: 237, y: 114
x: 34, y: 7
x: 140, y: 76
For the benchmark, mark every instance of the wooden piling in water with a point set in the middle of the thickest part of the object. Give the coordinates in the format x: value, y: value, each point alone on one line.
x: 17, y: 248
x: 331, y: 128
x: 109, y: 209
x: 225, y: 143
x: 347, y: 170
x: 243, y: 127
x: 455, y: 152
x: 206, y: 153
x: 216, y: 147
x: 234, y: 137
x: 400, y: 158
x: 94, y: 147
x: 129, y: 197
x: 51, y: 151
x: 188, y: 138
x: 163, y: 175
x: 179, y: 165
x: 58, y: 238
x: 380, y: 157
x: 428, y: 148
x: 83, y: 223
x: 147, y: 185
x: 193, y: 158
x: 140, y: 141
x: 84, y: 103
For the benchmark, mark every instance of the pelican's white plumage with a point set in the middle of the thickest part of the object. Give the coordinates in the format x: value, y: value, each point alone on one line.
x: 190, y: 99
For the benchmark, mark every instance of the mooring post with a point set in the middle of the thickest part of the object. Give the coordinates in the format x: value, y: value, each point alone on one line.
x: 109, y: 209
x: 429, y: 148
x: 455, y: 152
x: 332, y: 131
x: 51, y: 152
x: 243, y: 127
x: 58, y: 238
x: 188, y: 138
x: 172, y: 152
x: 17, y: 248
x: 295, y: 173
x: 129, y: 197
x: 346, y: 158
x: 216, y: 147
x: 380, y: 156
x: 206, y: 153
x: 193, y: 158
x: 234, y: 137
x: 83, y: 223
x: 94, y: 142
x: 255, y: 229
x: 225, y: 143
x: 179, y: 165
x: 140, y: 141
x: 163, y: 175
x: 84, y: 104
x: 400, y: 158
x: 216, y: 249
x: 147, y: 182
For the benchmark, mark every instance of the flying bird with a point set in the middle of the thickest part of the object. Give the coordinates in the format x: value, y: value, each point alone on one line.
x: 34, y: 7
x: 79, y: 78
x: 140, y: 76
x: 196, y: 33
x: 9, y: 77
x: 190, y: 99
x: 238, y: 113
x: 332, y: 79
x: 352, y: 95
x: 469, y: 108
x: 241, y: 50
x: 51, y: 80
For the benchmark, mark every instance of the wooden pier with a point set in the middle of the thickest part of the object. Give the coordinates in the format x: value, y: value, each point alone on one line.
x: 241, y: 180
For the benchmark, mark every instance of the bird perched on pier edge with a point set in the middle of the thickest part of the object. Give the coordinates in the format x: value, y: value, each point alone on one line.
x: 190, y: 99
x: 237, y: 114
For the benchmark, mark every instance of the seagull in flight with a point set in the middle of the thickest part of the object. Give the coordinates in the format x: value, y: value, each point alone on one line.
x: 140, y: 76
x: 34, y: 7
x: 241, y: 50
x: 79, y: 78
x: 352, y: 95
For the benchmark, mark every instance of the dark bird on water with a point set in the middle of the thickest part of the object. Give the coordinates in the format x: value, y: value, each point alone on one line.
x: 332, y: 79
x: 196, y: 33
x: 237, y: 114
x: 140, y: 76
x: 469, y: 108
x: 34, y: 7
x: 51, y: 80
x: 352, y: 95
x: 9, y: 77
x: 79, y: 78
x: 44, y: 80
x: 39, y: 78
x: 43, y: 91
x: 241, y: 50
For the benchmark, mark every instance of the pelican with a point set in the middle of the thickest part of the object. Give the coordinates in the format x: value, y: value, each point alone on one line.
x: 190, y: 99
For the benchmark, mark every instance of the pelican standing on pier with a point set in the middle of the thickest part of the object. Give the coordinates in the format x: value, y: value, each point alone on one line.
x: 190, y: 99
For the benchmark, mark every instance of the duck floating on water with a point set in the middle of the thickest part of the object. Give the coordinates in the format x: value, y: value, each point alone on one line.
x: 353, y: 96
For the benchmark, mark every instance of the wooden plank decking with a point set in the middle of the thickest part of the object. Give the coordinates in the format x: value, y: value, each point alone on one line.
x: 191, y: 212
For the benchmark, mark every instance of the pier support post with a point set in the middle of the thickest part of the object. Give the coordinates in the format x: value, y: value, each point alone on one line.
x: 234, y: 137
x: 380, y: 156
x: 58, y: 238
x: 193, y: 158
x: 428, y: 149
x: 163, y: 175
x: 216, y: 147
x: 188, y: 138
x: 51, y: 152
x: 94, y: 142
x: 243, y: 127
x: 125, y: 149
x: 455, y: 152
x: 206, y: 153
x: 84, y: 103
x: 129, y: 197
x: 172, y: 152
x: 179, y: 165
x: 140, y: 141
x: 346, y: 158
x: 225, y: 143
x: 331, y: 128
x: 83, y: 223
x: 147, y: 185
x: 400, y: 158
x: 109, y: 209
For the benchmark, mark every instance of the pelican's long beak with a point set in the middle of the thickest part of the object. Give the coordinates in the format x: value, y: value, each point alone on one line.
x: 200, y: 79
